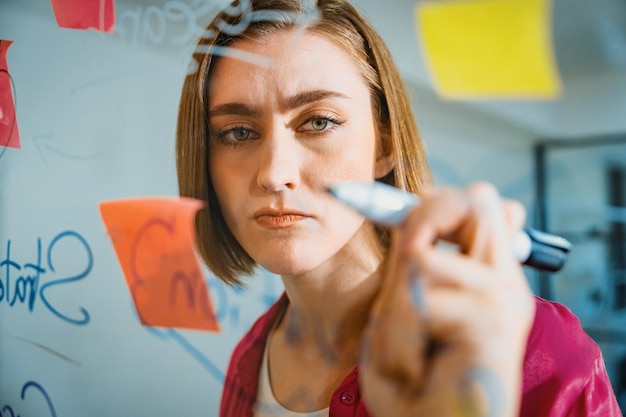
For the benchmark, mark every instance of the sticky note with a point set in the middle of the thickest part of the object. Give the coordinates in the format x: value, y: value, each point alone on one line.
x: 9, y: 134
x: 85, y: 14
x: 489, y: 48
x: 154, y: 243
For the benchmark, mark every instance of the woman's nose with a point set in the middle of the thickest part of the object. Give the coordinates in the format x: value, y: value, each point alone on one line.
x: 279, y: 164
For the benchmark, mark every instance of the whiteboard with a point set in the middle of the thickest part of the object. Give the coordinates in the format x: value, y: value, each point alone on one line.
x: 96, y: 115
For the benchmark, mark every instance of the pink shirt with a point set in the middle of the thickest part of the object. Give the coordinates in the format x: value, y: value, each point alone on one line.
x: 564, y: 373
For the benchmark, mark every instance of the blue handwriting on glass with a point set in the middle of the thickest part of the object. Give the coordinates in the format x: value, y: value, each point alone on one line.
x: 7, y: 410
x: 21, y: 282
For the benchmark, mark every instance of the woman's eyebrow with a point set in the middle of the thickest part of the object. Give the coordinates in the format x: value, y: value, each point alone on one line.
x: 291, y: 103
x: 306, y: 97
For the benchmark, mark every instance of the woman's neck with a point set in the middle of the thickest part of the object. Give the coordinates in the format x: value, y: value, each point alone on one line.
x: 329, y: 307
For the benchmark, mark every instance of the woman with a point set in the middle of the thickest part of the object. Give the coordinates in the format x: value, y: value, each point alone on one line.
x: 291, y: 97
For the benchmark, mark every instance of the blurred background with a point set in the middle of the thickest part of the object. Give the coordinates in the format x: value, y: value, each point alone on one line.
x: 96, y: 115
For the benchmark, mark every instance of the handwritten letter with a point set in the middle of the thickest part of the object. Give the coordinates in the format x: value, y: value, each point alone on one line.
x: 85, y: 14
x: 489, y: 48
x: 9, y: 135
x: 154, y: 242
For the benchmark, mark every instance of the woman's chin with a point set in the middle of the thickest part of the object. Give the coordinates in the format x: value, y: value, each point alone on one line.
x: 285, y: 269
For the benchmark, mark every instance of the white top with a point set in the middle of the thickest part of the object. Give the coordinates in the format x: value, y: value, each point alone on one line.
x: 266, y: 404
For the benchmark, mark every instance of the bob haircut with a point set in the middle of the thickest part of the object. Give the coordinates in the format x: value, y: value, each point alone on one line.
x: 339, y: 22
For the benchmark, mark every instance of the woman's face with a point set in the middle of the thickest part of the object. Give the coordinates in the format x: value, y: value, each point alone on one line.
x: 281, y: 135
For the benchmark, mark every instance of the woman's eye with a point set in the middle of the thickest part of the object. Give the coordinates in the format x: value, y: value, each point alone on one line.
x: 319, y: 124
x: 240, y: 134
x: 235, y: 135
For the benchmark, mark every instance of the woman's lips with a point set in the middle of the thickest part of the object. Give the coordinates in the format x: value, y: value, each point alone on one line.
x: 277, y: 219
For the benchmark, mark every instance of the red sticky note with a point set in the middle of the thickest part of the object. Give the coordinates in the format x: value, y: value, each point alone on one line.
x: 9, y: 135
x: 154, y: 242
x: 85, y: 14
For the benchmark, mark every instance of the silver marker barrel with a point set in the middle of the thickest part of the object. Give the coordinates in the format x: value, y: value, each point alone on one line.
x: 387, y: 205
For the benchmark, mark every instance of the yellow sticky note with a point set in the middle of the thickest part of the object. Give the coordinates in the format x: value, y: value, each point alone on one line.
x: 489, y: 48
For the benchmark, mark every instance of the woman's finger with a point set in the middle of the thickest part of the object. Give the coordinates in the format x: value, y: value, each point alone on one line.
x: 515, y: 215
x: 395, y: 339
x: 474, y: 219
x: 442, y: 267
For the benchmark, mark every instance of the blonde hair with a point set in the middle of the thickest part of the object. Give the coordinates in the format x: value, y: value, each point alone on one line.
x: 341, y: 23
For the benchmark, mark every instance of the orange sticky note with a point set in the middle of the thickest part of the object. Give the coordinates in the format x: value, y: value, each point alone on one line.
x: 154, y: 242
x: 85, y: 14
x: 9, y: 135
x: 489, y: 48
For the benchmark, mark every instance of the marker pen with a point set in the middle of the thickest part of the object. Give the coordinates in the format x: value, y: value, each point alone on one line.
x: 389, y: 206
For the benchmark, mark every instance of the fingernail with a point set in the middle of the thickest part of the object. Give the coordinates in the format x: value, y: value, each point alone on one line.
x: 416, y: 284
x: 481, y: 392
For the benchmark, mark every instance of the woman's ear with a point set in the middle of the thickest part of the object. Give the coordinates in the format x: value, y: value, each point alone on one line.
x: 385, y: 160
x: 383, y: 166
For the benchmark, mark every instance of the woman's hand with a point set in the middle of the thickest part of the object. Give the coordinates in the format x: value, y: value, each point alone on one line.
x: 447, y: 333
